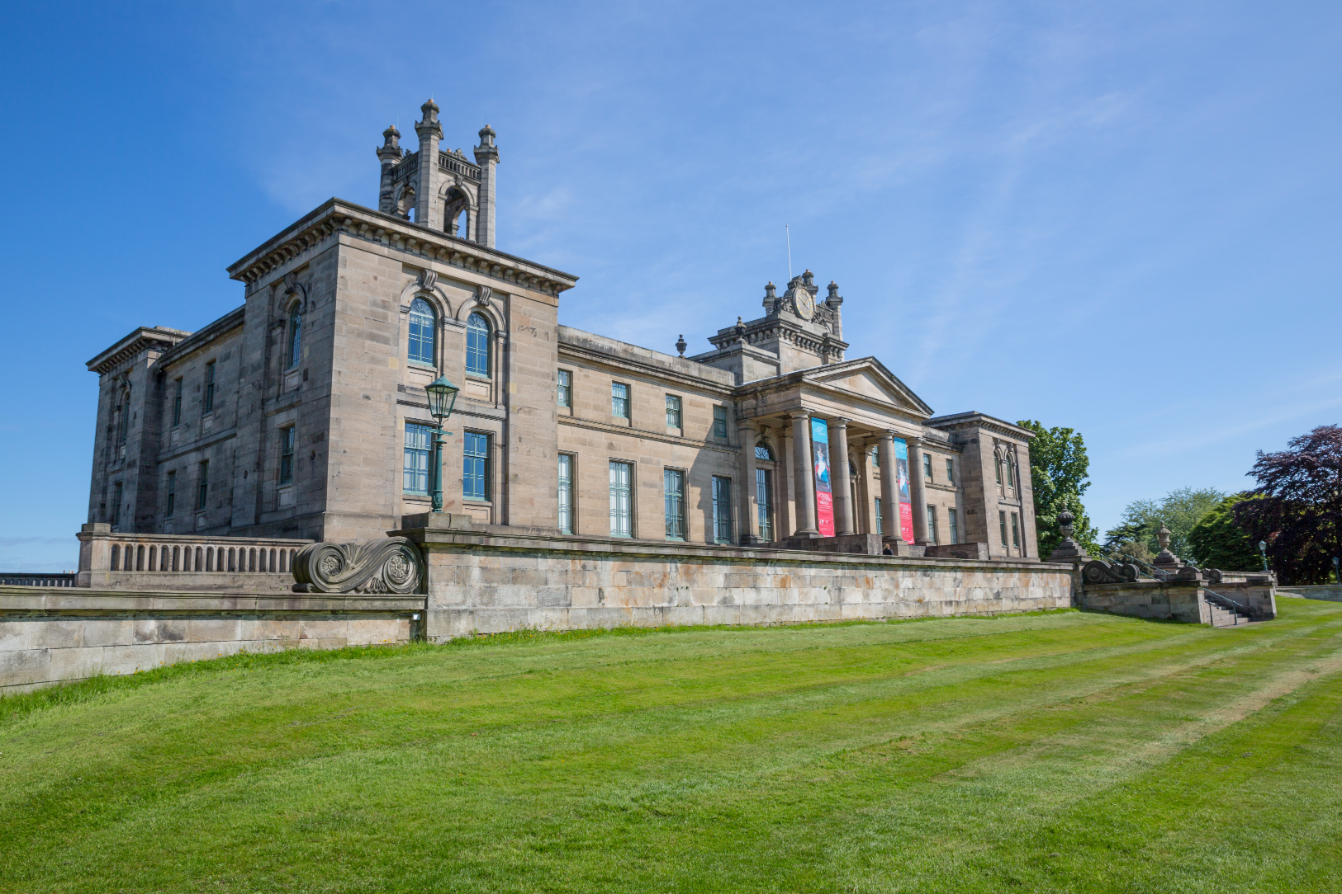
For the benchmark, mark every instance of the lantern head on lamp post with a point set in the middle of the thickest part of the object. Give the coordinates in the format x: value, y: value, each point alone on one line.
x: 442, y: 396
x: 1262, y: 548
x: 1337, y: 572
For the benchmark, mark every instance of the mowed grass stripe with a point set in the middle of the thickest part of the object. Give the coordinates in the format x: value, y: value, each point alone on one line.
x: 872, y: 757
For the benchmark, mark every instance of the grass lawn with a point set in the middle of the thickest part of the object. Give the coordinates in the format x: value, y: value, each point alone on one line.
x: 1053, y: 752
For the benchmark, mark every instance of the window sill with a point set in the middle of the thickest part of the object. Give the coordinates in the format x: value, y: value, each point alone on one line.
x: 416, y: 497
x: 425, y: 367
x: 483, y: 501
x: 478, y: 377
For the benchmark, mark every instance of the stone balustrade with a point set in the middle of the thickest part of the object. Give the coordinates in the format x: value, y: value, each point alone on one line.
x: 151, y: 562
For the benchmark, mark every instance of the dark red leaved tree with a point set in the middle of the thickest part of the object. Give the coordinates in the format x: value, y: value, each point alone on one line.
x: 1299, y: 506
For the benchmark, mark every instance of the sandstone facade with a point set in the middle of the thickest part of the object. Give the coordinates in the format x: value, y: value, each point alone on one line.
x: 294, y: 415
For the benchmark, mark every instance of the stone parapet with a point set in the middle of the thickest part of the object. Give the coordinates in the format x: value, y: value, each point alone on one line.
x: 493, y: 581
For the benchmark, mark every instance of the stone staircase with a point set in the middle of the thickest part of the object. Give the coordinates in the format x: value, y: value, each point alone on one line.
x: 1225, y: 612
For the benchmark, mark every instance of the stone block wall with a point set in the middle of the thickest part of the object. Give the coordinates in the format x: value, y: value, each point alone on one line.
x: 495, y: 581
x: 50, y: 635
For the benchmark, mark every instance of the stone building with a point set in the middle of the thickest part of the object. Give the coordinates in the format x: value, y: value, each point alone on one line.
x: 302, y: 413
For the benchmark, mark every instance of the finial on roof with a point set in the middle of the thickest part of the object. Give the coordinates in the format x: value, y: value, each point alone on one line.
x: 681, y: 345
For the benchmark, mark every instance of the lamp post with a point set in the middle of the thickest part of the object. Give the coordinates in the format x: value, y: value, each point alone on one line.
x: 1337, y: 573
x: 442, y: 395
x: 1262, y: 548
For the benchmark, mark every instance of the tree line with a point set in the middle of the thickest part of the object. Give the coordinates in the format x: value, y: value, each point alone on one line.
x: 1295, y: 510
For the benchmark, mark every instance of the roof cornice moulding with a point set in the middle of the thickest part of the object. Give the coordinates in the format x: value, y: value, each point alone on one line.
x: 338, y: 217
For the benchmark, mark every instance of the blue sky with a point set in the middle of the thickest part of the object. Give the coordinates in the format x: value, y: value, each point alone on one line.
x: 1119, y: 217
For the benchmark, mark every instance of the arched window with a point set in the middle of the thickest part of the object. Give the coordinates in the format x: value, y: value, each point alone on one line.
x: 477, y: 345
x: 295, y: 345
x: 762, y: 451
x: 422, y: 321
x: 997, y: 464
x: 1010, y: 473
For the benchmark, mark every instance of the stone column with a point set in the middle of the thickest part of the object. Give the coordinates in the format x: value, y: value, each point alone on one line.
x: 889, y: 493
x: 749, y: 513
x: 784, y: 517
x: 918, y: 493
x: 803, y: 475
x: 839, y: 477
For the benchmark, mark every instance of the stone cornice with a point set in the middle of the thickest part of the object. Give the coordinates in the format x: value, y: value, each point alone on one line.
x: 338, y: 217
x: 980, y: 420
x: 590, y: 355
x: 202, y: 337
x: 143, y: 338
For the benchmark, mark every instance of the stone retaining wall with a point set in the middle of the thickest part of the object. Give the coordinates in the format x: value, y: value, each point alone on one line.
x: 495, y: 580
x: 54, y: 634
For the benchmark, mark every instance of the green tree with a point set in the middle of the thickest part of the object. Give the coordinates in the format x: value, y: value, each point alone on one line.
x: 1217, y: 540
x: 1127, y: 543
x: 1059, y: 474
x: 1178, y: 510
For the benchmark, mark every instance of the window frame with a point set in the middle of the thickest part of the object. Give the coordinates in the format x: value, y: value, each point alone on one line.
x: 764, y: 503
x: 420, y: 308
x: 1001, y: 523
x: 203, y: 485
x: 950, y: 470
x: 1015, y: 531
x: 177, y: 402
x: 412, y: 453
x: 722, y: 511
x: 171, y: 502
x: 674, y: 405
x: 720, y: 421
x: 118, y: 493
x: 621, y: 510
x: 475, y: 354
x: 880, y: 519
x: 477, y: 466
x: 953, y: 525
x: 566, y: 493
x: 932, y: 525
x: 616, y: 401
x: 288, y: 445
x: 673, y: 504
x: 927, y: 468
x: 207, y: 403
x: 564, y: 392
x: 293, y: 342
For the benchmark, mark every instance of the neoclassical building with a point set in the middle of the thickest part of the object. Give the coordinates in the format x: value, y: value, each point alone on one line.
x: 302, y: 412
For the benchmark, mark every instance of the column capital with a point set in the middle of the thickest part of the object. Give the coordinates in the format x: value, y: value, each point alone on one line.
x: 888, y: 435
x: 799, y: 414
x: 839, y: 422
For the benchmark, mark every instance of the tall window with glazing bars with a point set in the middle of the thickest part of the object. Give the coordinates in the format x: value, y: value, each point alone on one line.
x: 294, y: 345
x: 477, y: 345
x: 621, y: 499
x: 418, y: 446
x: 475, y: 472
x: 722, y: 509
x: 423, y: 323
x: 675, y: 503
x: 565, y: 493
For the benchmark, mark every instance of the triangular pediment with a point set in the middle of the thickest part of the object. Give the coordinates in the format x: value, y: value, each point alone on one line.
x: 870, y: 379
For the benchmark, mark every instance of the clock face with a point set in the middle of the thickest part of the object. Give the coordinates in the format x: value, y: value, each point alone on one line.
x: 804, y: 303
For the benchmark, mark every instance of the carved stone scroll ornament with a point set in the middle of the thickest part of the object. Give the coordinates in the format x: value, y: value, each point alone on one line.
x: 1098, y: 571
x: 391, y: 565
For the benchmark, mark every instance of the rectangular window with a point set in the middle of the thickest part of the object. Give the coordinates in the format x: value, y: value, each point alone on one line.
x: 209, y: 387
x: 722, y: 509
x: 932, y: 524
x: 675, y: 504
x: 203, y: 486
x: 172, y: 493
x: 418, y: 449
x: 177, y: 402
x: 1015, y: 531
x: 565, y: 388
x: 720, y: 422
x: 116, y: 504
x: 950, y: 472
x: 927, y: 467
x: 475, y: 470
x: 953, y: 525
x: 880, y: 519
x: 287, y: 454
x: 1001, y: 523
x: 619, y: 400
x: 764, y: 500
x: 565, y: 493
x: 621, y: 499
x: 875, y: 457
x: 672, y: 411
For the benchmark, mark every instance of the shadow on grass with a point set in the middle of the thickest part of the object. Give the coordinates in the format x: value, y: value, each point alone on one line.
x: 80, y: 691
